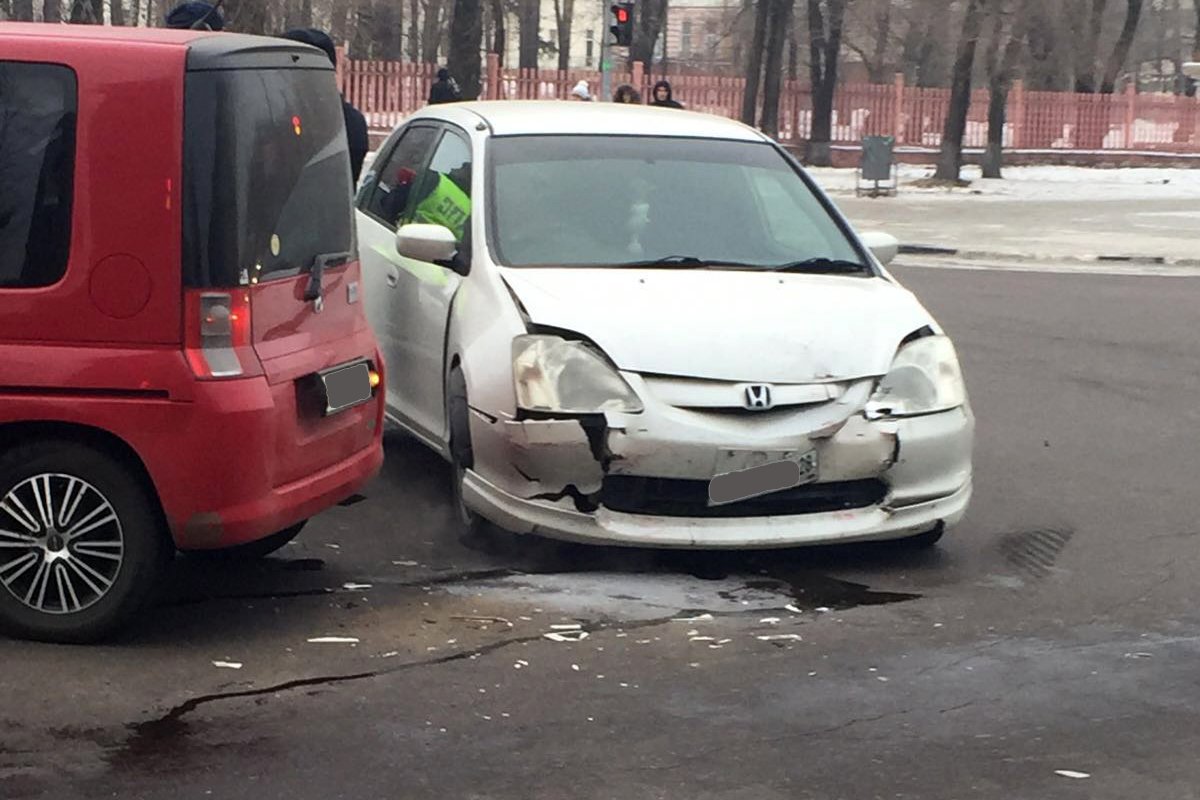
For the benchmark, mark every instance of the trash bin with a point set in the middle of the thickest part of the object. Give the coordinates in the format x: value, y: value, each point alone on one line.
x: 878, y: 165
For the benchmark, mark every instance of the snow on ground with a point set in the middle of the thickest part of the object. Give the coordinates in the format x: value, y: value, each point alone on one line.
x: 1047, y: 183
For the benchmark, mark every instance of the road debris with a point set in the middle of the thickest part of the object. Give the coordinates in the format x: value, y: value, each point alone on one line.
x: 490, y: 620
x: 1070, y: 773
x: 703, y: 639
x: 566, y: 636
x: 780, y: 637
x: 405, y: 564
x: 575, y: 667
x: 333, y: 640
x: 793, y: 609
x: 227, y: 665
x: 824, y: 610
x: 356, y: 587
x: 334, y: 546
x: 769, y: 621
x: 574, y: 626
x: 1139, y: 655
x: 699, y: 618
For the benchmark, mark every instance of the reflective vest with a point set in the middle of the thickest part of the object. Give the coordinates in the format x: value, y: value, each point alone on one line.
x: 446, y: 205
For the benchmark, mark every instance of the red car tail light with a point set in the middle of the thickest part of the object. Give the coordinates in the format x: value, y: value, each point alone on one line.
x: 218, y: 334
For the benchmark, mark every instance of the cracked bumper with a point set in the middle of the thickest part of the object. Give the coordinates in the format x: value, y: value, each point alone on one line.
x: 608, y: 527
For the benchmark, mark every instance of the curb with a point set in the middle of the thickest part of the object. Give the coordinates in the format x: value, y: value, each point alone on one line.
x: 979, y: 255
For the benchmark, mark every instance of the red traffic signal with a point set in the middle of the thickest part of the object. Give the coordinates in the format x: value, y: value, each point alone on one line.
x: 622, y: 29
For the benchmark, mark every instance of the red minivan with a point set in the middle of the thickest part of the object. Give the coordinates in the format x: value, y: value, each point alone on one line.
x: 184, y: 358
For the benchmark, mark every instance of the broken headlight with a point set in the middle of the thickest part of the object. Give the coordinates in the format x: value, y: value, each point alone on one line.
x: 554, y: 375
x: 925, y: 378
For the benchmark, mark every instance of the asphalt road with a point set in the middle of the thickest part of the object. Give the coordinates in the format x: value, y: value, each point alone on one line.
x: 1054, y: 631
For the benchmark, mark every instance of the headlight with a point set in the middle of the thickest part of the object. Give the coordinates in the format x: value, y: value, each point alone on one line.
x: 925, y: 377
x: 563, y: 377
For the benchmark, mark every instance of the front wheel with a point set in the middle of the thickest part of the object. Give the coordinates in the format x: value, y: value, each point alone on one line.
x: 81, y: 543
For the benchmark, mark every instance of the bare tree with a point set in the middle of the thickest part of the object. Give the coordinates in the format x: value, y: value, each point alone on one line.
x: 1001, y: 60
x: 247, y: 16
x: 87, y: 12
x: 431, y: 39
x: 530, y: 18
x: 22, y: 10
x: 466, y: 32
x: 1120, y: 53
x: 871, y: 37
x: 754, y: 61
x: 564, y: 13
x: 499, y: 35
x: 1087, y: 46
x: 950, y: 160
x: 825, y: 44
x: 777, y: 26
x: 649, y: 17
x: 116, y: 12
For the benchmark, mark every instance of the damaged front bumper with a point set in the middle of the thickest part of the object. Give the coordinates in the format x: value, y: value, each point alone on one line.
x: 641, y: 479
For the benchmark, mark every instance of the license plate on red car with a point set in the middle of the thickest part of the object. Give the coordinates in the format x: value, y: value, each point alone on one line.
x: 346, y: 387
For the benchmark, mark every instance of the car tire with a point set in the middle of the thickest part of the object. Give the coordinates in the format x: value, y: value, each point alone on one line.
x: 256, y: 549
x: 84, y: 543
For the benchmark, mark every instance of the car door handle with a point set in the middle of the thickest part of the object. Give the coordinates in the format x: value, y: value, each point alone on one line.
x: 393, y: 277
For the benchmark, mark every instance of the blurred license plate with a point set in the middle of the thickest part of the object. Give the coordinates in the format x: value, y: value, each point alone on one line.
x: 786, y: 473
x: 346, y: 387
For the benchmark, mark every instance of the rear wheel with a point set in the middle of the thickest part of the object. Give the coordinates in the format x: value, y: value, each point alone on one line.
x: 81, y: 543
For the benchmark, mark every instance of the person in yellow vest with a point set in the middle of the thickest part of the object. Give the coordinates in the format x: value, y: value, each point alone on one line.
x: 446, y: 203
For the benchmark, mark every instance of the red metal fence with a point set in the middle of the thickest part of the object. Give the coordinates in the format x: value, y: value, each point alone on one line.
x: 387, y: 92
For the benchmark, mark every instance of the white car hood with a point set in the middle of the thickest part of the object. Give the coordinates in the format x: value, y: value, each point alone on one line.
x: 726, y: 325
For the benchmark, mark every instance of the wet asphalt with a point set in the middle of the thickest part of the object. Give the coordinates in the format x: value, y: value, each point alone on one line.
x: 1047, y: 648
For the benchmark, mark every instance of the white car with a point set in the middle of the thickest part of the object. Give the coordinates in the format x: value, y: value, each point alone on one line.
x: 640, y: 326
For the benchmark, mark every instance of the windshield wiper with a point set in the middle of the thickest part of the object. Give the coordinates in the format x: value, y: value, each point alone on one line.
x: 821, y: 264
x: 683, y: 262
x: 316, y: 271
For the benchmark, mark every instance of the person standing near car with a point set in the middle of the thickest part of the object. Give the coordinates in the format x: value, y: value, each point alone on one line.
x: 356, y: 124
x: 195, y: 15
x: 445, y: 89
x: 664, y: 97
x: 627, y: 94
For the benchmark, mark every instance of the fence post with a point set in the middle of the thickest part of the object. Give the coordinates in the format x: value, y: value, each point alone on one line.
x: 493, y: 76
x: 898, y: 110
x: 639, y: 73
x: 1130, y: 113
x: 1017, y: 96
x: 340, y: 51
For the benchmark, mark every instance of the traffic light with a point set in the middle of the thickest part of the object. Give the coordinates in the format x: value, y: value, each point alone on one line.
x: 622, y: 27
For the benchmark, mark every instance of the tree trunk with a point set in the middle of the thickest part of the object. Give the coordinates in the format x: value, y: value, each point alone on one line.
x: 1120, y: 52
x: 1088, y: 49
x: 51, y: 12
x: 22, y: 10
x: 950, y: 160
x: 414, y: 31
x: 466, y: 32
x: 793, y: 62
x: 135, y: 12
x: 564, y: 14
x: 116, y: 12
x: 246, y: 16
x: 530, y: 19
x: 388, y: 29
x: 500, y: 35
x: 825, y: 46
x: 754, y: 63
x: 648, y: 17
x: 780, y: 20
x: 877, y: 66
x: 1000, y: 75
x: 431, y: 39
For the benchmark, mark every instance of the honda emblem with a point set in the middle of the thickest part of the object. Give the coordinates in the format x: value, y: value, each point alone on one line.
x: 758, y: 397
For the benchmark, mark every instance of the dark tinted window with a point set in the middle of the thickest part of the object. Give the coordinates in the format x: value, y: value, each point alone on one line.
x: 38, y: 108
x: 393, y: 181
x: 266, y: 175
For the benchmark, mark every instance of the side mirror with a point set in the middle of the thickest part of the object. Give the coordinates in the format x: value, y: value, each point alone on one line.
x: 884, y: 246
x: 431, y: 243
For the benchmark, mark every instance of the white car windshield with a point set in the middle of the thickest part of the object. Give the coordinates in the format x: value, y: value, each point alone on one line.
x: 605, y: 201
